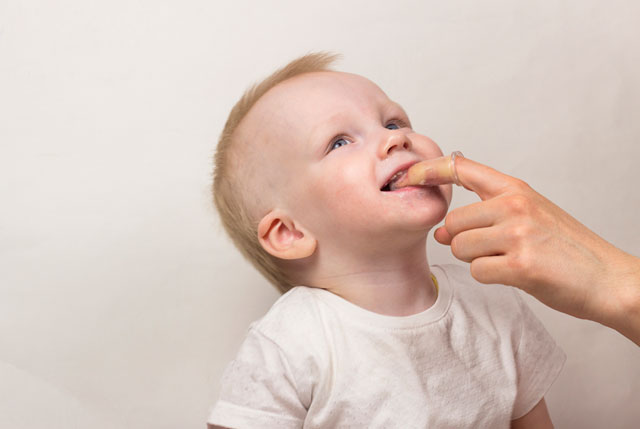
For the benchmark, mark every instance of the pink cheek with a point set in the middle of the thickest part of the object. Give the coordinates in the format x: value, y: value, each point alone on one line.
x: 425, y: 147
x: 337, y: 198
x: 326, y: 193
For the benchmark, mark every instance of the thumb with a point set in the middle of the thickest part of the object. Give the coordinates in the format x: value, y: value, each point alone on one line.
x: 483, y: 180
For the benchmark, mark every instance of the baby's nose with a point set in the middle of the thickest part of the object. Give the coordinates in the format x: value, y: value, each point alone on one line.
x: 394, y: 141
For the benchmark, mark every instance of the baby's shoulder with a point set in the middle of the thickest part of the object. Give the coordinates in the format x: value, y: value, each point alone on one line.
x: 292, y: 319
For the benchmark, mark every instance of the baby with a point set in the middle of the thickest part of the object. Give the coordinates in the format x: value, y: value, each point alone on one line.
x: 366, y: 334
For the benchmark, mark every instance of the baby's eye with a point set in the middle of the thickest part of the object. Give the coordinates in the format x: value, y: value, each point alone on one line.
x: 396, y: 124
x: 338, y: 143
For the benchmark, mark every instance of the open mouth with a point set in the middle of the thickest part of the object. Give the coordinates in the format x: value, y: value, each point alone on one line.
x: 390, y: 185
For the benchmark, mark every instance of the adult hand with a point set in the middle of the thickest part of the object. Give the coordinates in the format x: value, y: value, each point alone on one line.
x: 517, y: 237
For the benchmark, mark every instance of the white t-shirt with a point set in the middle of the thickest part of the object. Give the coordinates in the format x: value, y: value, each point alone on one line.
x: 477, y: 358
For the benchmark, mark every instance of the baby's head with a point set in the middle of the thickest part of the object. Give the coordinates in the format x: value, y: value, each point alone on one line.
x: 301, y: 171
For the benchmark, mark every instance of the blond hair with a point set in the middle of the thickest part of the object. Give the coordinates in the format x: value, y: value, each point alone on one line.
x: 233, y: 205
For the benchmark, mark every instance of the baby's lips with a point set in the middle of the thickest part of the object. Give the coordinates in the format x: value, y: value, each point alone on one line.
x: 431, y: 172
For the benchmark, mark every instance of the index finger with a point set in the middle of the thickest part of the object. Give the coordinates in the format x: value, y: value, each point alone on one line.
x: 481, y: 179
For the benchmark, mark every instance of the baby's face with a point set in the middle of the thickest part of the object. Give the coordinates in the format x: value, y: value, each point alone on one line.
x: 331, y: 142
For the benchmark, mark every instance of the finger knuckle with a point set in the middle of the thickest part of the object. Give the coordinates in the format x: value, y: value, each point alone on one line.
x: 519, y: 233
x: 514, y: 263
x: 518, y: 204
x: 521, y: 263
x: 521, y: 184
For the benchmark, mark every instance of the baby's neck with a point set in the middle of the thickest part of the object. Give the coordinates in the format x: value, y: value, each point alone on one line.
x: 393, y: 286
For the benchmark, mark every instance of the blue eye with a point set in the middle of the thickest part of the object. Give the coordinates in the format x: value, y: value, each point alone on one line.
x: 338, y: 143
x: 392, y: 126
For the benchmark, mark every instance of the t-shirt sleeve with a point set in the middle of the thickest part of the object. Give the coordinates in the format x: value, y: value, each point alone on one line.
x: 538, y: 361
x: 258, y: 389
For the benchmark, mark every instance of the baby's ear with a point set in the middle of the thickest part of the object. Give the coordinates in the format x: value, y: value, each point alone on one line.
x: 284, y: 238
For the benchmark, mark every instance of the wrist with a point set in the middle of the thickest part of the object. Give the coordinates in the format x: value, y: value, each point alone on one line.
x: 622, y: 308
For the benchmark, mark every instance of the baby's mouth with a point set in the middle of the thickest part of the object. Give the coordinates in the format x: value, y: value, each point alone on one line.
x: 390, y: 185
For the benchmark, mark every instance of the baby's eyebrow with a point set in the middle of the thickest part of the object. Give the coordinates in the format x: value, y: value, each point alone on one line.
x: 398, y: 107
x: 323, y: 125
x: 320, y: 132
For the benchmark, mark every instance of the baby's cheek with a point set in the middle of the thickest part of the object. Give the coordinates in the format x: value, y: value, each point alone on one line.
x: 425, y: 147
x: 314, y: 200
x: 341, y: 193
x: 335, y: 193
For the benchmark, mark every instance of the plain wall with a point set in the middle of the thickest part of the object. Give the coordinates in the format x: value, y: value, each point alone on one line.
x: 121, y: 298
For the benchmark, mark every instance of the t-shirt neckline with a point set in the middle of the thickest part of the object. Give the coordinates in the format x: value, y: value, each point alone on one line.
x: 355, y: 313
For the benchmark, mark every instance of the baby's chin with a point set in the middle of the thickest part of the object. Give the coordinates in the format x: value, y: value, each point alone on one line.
x: 423, y: 219
x: 407, y: 226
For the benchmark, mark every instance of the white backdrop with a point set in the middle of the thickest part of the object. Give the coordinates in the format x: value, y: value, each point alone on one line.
x: 121, y: 299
